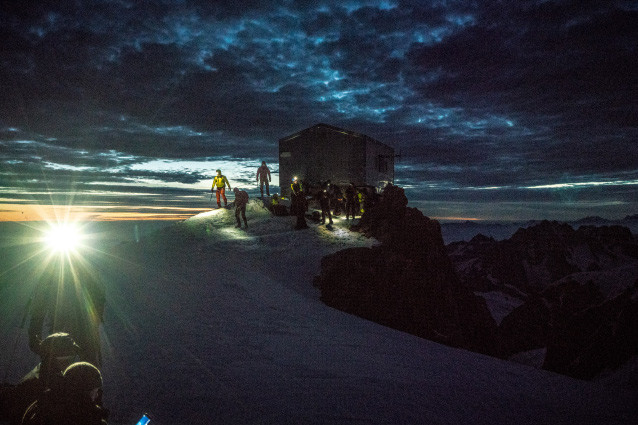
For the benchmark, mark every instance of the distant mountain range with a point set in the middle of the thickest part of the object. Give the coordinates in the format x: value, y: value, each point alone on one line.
x: 561, y: 296
x: 466, y: 230
x: 569, y: 291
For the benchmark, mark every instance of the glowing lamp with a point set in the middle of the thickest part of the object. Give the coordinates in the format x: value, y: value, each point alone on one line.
x: 63, y: 237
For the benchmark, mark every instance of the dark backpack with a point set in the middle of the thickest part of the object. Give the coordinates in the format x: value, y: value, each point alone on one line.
x: 242, y: 197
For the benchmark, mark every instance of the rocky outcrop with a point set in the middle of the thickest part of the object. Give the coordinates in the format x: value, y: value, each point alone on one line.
x: 408, y: 282
x: 525, y: 328
x: 576, y: 286
x: 413, y: 283
x: 595, y: 339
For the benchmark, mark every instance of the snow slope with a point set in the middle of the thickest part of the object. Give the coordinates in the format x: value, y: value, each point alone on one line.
x: 207, y: 324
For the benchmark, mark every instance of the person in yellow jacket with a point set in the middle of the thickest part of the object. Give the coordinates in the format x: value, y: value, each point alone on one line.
x: 219, y: 187
x: 361, y: 197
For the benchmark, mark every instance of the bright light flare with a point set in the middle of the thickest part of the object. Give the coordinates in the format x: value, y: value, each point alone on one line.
x: 63, y: 238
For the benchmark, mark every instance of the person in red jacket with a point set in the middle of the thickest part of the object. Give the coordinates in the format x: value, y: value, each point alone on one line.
x: 263, y: 176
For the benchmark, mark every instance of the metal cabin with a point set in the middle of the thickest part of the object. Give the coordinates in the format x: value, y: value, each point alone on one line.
x: 324, y: 152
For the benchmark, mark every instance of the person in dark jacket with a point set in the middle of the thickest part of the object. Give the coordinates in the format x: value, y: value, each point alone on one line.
x: 78, y: 400
x: 335, y: 193
x: 351, y: 204
x: 298, y: 204
x: 263, y: 176
x: 241, y: 200
x: 324, y: 202
x: 295, y: 190
x: 57, y: 352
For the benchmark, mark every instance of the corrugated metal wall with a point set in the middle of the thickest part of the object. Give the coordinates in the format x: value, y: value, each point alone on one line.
x: 323, y: 152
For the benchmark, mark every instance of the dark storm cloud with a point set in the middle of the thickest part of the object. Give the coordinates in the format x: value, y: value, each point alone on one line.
x: 473, y: 94
x: 569, y: 67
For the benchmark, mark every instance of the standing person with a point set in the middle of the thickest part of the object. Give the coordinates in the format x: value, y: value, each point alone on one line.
x: 336, y: 198
x: 324, y: 201
x: 219, y: 187
x: 295, y: 190
x: 298, y: 204
x: 295, y: 187
x: 351, y: 194
x: 70, y: 298
x: 241, y: 199
x: 263, y: 176
x: 361, y: 198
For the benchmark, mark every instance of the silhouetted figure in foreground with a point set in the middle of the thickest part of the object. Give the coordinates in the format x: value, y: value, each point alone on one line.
x: 57, y: 352
x: 78, y: 400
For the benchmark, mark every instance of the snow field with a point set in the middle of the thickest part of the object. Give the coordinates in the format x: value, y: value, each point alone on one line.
x: 208, y: 324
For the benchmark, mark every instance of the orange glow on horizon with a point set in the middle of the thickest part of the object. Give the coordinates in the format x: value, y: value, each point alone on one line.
x: 27, y: 212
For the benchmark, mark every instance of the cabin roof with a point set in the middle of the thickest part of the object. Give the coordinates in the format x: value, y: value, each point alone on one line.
x: 329, y: 127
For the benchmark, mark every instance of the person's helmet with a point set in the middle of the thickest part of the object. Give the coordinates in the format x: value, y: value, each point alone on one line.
x: 82, y: 377
x: 235, y: 190
x: 59, y: 344
x: 218, y: 171
x: 294, y: 179
x: 263, y: 162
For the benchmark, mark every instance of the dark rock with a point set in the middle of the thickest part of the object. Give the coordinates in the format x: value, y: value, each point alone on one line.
x: 525, y: 328
x: 602, y: 337
x: 407, y: 283
x: 583, y: 332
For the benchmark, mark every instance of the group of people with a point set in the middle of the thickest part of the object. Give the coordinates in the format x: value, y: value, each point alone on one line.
x: 331, y: 198
x: 220, y: 182
x: 335, y: 200
x: 66, y: 386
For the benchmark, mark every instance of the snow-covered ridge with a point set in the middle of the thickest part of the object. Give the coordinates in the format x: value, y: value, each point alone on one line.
x: 207, y: 324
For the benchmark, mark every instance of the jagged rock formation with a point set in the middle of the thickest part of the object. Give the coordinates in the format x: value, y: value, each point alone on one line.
x: 408, y: 282
x: 579, y: 302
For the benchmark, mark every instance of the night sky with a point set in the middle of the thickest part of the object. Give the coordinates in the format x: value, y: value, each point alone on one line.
x: 500, y: 109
